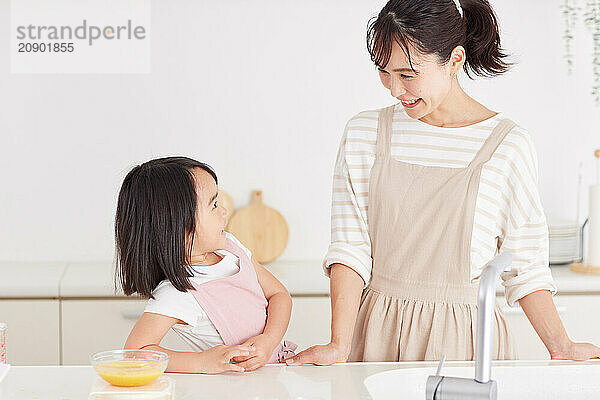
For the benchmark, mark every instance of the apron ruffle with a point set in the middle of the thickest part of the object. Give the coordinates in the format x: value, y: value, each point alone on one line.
x: 416, y: 330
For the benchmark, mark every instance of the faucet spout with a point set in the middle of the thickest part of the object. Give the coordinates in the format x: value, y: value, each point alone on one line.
x: 486, y: 300
x: 482, y: 387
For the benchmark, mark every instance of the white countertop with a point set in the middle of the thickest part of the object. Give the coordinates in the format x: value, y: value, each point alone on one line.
x: 35, y: 279
x: 96, y: 279
x: 93, y: 279
x: 304, y: 278
x: 569, y: 282
x: 342, y: 381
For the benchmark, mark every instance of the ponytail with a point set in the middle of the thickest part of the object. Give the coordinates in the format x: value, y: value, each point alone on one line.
x: 485, y: 56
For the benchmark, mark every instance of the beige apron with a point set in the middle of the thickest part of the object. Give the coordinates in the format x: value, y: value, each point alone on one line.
x: 420, y: 303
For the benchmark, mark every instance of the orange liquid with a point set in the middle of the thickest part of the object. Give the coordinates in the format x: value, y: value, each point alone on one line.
x: 130, y: 372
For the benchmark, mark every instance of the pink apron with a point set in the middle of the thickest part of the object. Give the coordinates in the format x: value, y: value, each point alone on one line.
x: 237, y: 306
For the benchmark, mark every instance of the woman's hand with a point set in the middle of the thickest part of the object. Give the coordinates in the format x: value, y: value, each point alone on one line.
x: 264, y: 346
x: 219, y: 359
x: 576, y: 352
x: 327, y: 354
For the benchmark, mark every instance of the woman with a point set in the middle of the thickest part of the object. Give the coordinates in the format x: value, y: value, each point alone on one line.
x: 426, y: 193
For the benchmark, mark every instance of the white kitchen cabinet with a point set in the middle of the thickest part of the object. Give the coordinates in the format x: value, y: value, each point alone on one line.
x: 310, y: 321
x: 90, y: 326
x: 581, y: 317
x: 33, y: 331
x: 95, y: 325
x: 578, y: 313
x: 73, y: 311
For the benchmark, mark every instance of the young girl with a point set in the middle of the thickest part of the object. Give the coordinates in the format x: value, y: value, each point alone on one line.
x: 200, y: 280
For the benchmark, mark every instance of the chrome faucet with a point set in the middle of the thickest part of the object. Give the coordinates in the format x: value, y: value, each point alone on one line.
x: 441, y: 387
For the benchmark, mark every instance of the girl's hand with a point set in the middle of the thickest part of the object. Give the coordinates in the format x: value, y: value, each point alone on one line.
x: 576, y: 352
x: 219, y: 358
x: 327, y: 354
x: 264, y: 346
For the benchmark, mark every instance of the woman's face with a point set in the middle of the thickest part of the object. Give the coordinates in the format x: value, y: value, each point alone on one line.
x: 210, y: 216
x: 423, y: 89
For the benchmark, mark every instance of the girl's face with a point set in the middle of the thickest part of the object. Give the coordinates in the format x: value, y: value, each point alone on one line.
x: 210, y: 216
x: 424, y: 89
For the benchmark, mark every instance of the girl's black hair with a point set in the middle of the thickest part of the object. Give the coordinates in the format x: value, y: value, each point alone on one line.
x: 156, y: 212
x: 436, y: 27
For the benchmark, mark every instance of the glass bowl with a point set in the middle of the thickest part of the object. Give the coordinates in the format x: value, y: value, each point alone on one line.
x: 129, y: 367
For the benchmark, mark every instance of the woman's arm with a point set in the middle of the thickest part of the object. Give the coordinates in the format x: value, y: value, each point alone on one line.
x: 346, y: 288
x: 525, y: 235
x: 541, y: 312
x: 150, y: 329
x: 348, y: 261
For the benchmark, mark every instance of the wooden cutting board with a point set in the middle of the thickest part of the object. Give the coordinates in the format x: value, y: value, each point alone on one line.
x: 260, y: 228
x: 584, y: 268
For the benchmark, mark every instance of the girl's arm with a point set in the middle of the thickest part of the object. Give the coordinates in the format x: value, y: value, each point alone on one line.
x: 150, y: 329
x: 346, y: 288
x: 541, y: 312
x: 279, y: 309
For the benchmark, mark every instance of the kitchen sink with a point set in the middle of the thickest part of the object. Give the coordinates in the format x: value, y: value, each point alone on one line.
x: 516, y: 380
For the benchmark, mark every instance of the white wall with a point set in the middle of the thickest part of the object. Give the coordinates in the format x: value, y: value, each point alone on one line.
x: 261, y: 90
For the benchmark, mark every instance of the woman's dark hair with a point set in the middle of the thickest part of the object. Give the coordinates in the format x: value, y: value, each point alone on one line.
x: 156, y: 212
x: 437, y: 27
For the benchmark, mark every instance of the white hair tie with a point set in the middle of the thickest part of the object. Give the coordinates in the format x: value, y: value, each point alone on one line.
x: 458, y: 7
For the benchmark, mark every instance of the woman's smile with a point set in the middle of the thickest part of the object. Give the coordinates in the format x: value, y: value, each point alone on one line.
x: 410, y: 103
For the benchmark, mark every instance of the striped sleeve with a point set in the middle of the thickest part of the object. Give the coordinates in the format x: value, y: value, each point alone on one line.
x: 525, y: 228
x: 350, y: 242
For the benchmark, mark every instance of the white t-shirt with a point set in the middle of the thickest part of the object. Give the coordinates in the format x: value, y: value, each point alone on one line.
x: 199, y: 333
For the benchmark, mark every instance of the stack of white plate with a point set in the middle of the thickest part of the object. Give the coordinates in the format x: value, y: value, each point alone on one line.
x: 564, y: 238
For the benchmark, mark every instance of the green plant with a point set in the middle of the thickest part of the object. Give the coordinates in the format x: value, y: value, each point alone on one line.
x: 570, y: 11
x: 592, y: 21
x: 591, y: 18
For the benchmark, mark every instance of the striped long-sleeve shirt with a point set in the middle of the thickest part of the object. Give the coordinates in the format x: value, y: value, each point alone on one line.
x: 508, y: 214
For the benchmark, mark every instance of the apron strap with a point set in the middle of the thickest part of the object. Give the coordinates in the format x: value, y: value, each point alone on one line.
x: 237, y: 251
x: 492, y: 142
x: 384, y: 131
x: 384, y: 137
